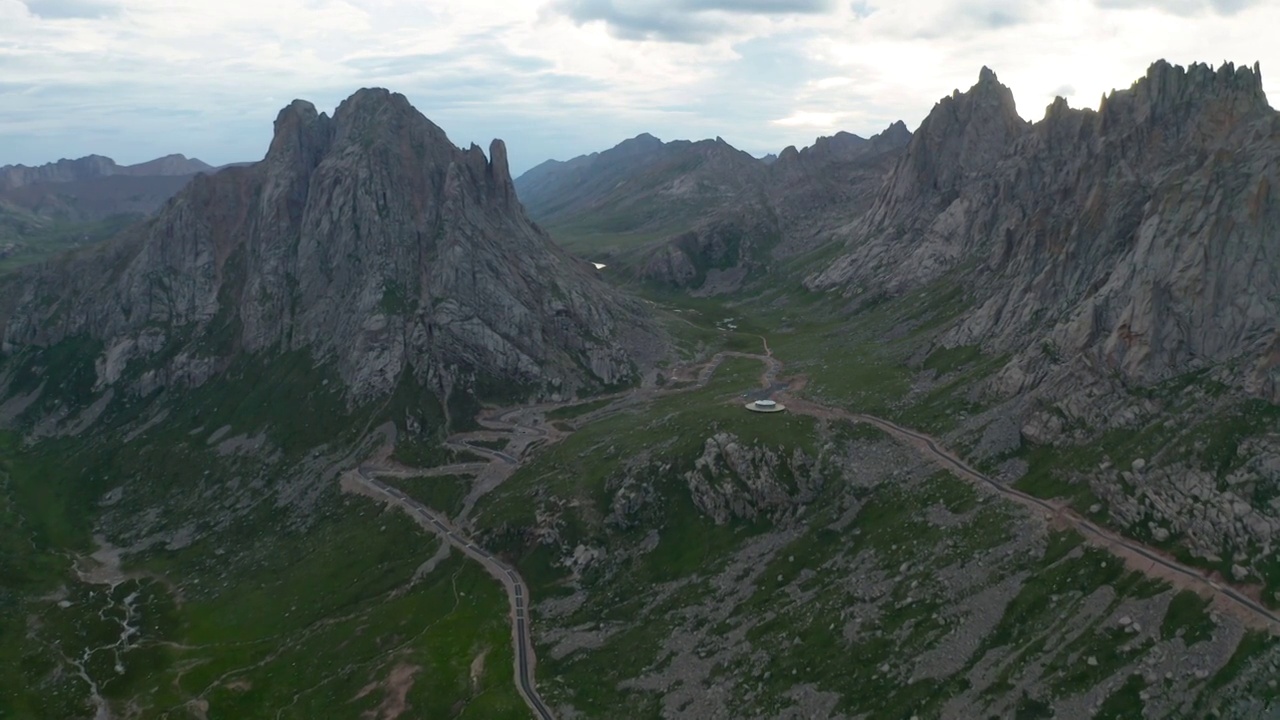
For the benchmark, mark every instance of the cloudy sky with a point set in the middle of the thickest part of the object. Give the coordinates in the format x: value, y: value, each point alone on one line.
x: 135, y: 79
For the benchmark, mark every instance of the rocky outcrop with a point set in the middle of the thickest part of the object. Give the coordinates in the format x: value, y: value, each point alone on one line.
x: 367, y: 239
x: 715, y: 257
x: 734, y: 480
x: 1141, y: 239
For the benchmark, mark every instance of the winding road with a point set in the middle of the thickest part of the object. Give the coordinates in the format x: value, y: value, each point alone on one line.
x: 1160, y: 565
x: 525, y: 427
x: 517, y: 591
x: 1114, y: 542
x: 1109, y: 539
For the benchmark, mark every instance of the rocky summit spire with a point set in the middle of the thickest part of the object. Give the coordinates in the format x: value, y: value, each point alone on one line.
x: 300, y: 132
x: 965, y: 133
x: 499, y: 172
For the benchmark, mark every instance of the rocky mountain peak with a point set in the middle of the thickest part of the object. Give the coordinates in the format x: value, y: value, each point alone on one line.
x: 369, y: 240
x: 988, y: 104
x: 499, y: 173
x: 1141, y: 236
x: 300, y: 132
x: 897, y: 132
x: 638, y: 145
x: 378, y: 117
x: 964, y: 134
x: 371, y: 106
x: 1057, y: 108
x: 1196, y: 97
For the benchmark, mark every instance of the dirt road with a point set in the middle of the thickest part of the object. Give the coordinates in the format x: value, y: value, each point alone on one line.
x: 525, y: 428
x: 526, y: 661
x: 1137, y: 556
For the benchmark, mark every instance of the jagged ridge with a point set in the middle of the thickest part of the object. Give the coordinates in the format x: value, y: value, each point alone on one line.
x: 1141, y: 238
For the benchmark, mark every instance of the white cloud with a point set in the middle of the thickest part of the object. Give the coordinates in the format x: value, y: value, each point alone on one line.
x: 811, y: 120
x: 828, y: 83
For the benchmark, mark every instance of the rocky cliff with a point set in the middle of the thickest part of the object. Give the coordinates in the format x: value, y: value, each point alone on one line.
x: 367, y: 239
x: 1141, y: 239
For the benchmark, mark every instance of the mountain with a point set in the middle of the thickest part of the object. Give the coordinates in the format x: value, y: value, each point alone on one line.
x: 366, y: 239
x: 833, y: 181
x: 323, y: 432
x: 800, y: 201
x: 679, y: 213
x: 1121, y: 267
x: 1029, y: 464
x: 73, y: 203
x: 93, y: 188
x: 641, y: 186
x: 96, y: 166
x: 190, y: 397
x: 96, y: 198
x: 1116, y: 235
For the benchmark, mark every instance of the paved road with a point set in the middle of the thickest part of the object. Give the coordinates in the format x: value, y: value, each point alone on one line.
x: 517, y: 591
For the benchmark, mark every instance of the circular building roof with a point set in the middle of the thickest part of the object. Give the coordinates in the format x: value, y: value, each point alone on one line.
x: 766, y: 403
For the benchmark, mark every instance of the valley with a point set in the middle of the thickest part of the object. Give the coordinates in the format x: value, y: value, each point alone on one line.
x: 1150, y: 562
x: 373, y: 429
x: 1232, y: 608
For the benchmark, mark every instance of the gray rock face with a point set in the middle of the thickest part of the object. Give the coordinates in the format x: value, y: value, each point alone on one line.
x: 733, y: 480
x: 1141, y: 239
x: 367, y: 238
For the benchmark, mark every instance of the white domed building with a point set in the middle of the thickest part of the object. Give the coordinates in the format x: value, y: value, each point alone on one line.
x: 765, y: 406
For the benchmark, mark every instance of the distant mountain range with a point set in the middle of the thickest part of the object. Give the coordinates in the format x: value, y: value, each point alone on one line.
x: 705, y: 215
x: 70, y: 203
x: 96, y: 166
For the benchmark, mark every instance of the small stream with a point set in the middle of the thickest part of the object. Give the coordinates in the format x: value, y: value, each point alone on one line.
x: 104, y: 569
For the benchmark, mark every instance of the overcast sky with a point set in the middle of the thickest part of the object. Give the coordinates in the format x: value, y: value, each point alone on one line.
x: 136, y: 79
